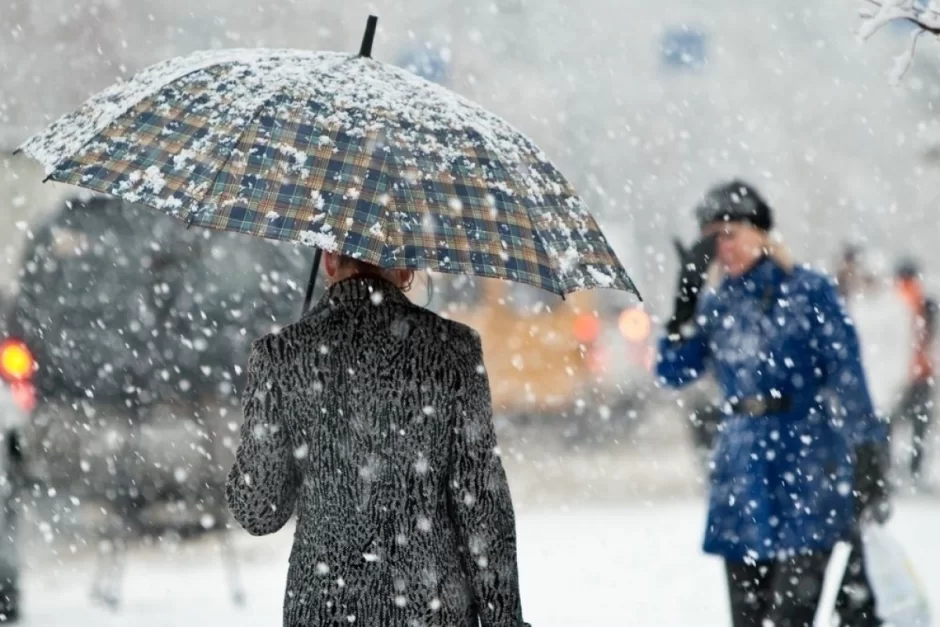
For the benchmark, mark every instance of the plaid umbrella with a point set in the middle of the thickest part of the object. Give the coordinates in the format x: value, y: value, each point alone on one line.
x: 336, y: 151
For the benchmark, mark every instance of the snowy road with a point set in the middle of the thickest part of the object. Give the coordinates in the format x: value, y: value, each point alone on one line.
x: 635, y: 564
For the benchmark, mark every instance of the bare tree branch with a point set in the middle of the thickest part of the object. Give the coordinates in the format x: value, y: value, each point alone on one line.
x: 926, y: 19
x: 903, y: 62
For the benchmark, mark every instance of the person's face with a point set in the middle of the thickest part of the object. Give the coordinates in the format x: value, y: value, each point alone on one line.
x: 739, y: 245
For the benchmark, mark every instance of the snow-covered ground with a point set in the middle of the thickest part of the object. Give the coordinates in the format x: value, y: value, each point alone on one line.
x: 634, y: 564
x: 608, y: 537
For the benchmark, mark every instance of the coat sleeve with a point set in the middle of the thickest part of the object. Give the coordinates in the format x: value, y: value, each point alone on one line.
x: 838, y: 343
x: 683, y: 361
x: 480, y: 502
x: 262, y: 486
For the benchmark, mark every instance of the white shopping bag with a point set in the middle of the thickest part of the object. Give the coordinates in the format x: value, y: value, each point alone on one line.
x: 832, y: 583
x: 901, y: 599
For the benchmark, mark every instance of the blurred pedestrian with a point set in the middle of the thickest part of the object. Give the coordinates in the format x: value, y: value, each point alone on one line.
x: 917, y: 400
x: 371, y: 417
x: 852, y: 278
x: 880, y: 318
x: 784, y: 470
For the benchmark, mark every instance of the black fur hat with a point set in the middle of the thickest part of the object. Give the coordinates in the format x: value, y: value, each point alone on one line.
x: 734, y: 201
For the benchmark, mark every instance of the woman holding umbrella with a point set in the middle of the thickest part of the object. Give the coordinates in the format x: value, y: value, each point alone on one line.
x: 789, y: 477
x: 383, y: 443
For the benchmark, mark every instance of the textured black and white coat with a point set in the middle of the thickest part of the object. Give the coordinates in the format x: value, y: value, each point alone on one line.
x: 371, y: 418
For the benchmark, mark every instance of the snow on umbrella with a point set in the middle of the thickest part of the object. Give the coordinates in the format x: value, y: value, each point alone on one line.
x: 336, y: 151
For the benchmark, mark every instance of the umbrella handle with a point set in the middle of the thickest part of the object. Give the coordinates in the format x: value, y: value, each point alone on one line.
x: 368, y: 37
x: 312, y: 282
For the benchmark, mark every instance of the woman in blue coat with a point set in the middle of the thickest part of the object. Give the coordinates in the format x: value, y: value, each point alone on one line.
x: 800, y: 454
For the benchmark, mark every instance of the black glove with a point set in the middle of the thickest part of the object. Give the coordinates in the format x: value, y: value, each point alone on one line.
x: 871, y: 483
x: 694, y: 266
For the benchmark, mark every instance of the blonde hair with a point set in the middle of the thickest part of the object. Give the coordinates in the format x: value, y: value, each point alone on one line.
x: 774, y: 248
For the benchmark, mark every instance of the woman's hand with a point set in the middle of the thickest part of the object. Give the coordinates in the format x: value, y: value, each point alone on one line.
x: 694, y: 267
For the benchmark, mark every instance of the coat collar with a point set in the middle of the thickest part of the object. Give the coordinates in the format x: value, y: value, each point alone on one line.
x: 764, y: 272
x: 363, y: 289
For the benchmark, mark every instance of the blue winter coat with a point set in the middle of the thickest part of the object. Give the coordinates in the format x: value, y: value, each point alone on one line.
x: 779, y: 483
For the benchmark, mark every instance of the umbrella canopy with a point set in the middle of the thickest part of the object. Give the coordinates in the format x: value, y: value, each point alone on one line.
x: 336, y: 151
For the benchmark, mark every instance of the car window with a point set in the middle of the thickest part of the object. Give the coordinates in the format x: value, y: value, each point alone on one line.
x: 242, y: 288
x: 102, y: 283
x: 93, y: 293
x: 241, y: 270
x: 97, y: 262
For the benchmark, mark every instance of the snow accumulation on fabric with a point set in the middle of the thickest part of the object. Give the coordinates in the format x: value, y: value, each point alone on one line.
x: 349, y: 84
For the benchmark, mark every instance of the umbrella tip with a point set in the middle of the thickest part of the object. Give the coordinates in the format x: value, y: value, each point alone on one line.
x: 366, y: 49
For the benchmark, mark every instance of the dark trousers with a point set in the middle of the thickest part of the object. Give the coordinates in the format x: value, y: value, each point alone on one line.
x: 783, y: 592
x: 916, y: 406
x: 786, y: 593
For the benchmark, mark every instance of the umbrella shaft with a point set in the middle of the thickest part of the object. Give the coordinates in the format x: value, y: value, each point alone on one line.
x: 311, y: 284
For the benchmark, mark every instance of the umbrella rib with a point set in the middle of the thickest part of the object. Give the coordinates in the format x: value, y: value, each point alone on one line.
x: 265, y: 102
x: 392, y: 157
x: 559, y: 284
x: 149, y: 94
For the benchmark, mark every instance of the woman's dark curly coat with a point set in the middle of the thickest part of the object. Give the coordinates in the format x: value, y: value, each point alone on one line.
x: 371, y: 419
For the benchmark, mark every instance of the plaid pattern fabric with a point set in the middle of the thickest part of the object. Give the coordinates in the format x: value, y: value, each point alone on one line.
x: 338, y: 152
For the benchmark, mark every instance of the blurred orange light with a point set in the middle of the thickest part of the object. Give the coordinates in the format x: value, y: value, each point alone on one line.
x: 586, y: 328
x: 16, y: 362
x: 635, y: 325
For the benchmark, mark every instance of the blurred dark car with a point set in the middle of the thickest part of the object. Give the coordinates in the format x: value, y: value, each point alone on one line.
x: 139, y: 331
